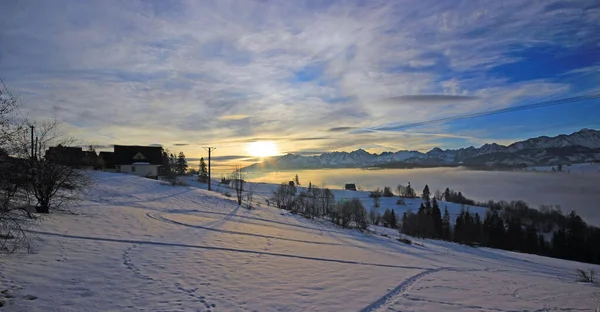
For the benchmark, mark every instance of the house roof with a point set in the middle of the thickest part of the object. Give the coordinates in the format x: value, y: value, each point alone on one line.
x: 65, y: 155
x: 129, y: 154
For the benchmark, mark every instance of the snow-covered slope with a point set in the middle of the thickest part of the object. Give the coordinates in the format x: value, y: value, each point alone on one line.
x: 581, y: 146
x: 138, y: 245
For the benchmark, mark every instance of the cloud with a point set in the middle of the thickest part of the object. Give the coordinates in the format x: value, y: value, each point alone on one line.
x: 431, y: 98
x: 181, y: 144
x: 231, y: 157
x: 233, y: 117
x: 340, y: 129
x: 228, y: 73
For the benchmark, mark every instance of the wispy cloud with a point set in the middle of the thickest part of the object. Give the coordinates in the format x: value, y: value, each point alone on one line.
x: 230, y: 72
x: 233, y: 117
x: 431, y: 98
x: 340, y: 129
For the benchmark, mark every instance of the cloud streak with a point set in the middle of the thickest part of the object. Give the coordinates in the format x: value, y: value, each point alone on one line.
x: 231, y: 72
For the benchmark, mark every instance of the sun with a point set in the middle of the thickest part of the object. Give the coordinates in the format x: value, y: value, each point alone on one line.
x: 262, y: 149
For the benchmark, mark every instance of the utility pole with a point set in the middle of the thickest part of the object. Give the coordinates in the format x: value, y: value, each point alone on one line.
x: 32, y: 143
x: 37, y: 149
x: 209, y: 149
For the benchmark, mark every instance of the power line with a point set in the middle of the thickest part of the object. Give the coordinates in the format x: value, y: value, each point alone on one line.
x: 574, y: 99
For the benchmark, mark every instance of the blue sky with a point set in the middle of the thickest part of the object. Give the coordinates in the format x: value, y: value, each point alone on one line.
x: 186, y: 74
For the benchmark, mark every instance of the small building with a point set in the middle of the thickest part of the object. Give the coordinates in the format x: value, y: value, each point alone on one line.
x: 139, y: 160
x: 350, y: 187
x: 65, y: 155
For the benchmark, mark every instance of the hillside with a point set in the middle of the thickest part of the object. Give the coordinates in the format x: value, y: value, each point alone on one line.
x: 579, y: 147
x: 135, y: 244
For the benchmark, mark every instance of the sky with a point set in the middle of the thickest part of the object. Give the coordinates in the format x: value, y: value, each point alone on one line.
x: 309, y: 76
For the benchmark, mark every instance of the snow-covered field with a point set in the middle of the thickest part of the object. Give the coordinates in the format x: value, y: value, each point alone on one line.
x: 138, y: 245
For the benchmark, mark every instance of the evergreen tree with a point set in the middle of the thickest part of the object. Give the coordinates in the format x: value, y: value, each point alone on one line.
x: 436, y: 216
x: 477, y: 228
x: 575, y: 232
x: 297, y: 180
x: 459, y: 228
x: 386, y: 217
x: 531, y: 240
x: 393, y: 220
x: 446, y: 225
x: 514, y: 235
x: 447, y: 196
x: 426, y: 196
x: 181, y: 164
x: 409, y: 191
x: 203, y: 172
x: 404, y: 225
x: 559, y: 244
x: 173, y: 163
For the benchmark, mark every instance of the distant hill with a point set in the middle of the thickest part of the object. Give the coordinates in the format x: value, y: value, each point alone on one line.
x: 581, y: 146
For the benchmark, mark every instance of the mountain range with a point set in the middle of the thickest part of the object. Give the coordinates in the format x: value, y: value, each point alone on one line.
x: 581, y: 146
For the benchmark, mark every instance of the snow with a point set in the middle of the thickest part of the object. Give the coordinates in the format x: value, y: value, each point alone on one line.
x: 136, y: 244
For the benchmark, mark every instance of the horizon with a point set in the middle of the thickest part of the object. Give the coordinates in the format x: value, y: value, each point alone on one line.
x: 258, y: 79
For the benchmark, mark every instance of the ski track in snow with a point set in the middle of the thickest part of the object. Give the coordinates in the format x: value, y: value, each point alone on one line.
x: 169, y: 248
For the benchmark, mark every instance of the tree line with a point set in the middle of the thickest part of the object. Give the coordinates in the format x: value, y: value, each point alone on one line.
x: 315, y: 202
x: 510, y: 226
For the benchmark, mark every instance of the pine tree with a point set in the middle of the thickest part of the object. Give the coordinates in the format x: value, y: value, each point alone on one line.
x: 477, y: 228
x: 459, y: 228
x: 426, y: 196
x: 393, y: 220
x: 173, y: 163
x: 386, y: 217
x: 203, y: 172
x: 297, y: 180
x: 436, y: 215
x: 404, y: 228
x: 181, y: 164
x: 447, y: 196
x: 409, y: 191
x: 446, y: 225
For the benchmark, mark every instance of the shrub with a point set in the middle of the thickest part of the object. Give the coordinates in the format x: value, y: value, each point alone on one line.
x: 585, y: 276
x: 401, y: 202
x: 405, y: 240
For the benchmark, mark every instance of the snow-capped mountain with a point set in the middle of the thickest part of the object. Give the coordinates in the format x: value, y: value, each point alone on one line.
x: 581, y: 146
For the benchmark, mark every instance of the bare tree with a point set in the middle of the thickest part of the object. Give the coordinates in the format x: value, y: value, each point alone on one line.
x: 14, y: 179
x: 237, y: 181
x: 284, y: 196
x: 53, y: 183
x: 249, y: 196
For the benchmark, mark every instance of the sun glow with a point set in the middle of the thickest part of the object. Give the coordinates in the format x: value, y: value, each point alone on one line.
x: 262, y: 149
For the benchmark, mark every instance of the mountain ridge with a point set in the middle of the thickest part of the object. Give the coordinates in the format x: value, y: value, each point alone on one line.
x: 577, y: 147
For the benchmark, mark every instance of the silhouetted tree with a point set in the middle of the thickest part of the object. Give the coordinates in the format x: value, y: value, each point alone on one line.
x: 181, y: 164
x: 203, y: 171
x: 387, y: 192
x: 446, y: 226
x: 426, y: 196
x: 436, y: 216
x: 393, y: 220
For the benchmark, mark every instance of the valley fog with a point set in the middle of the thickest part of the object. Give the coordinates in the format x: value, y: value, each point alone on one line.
x: 578, y: 191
